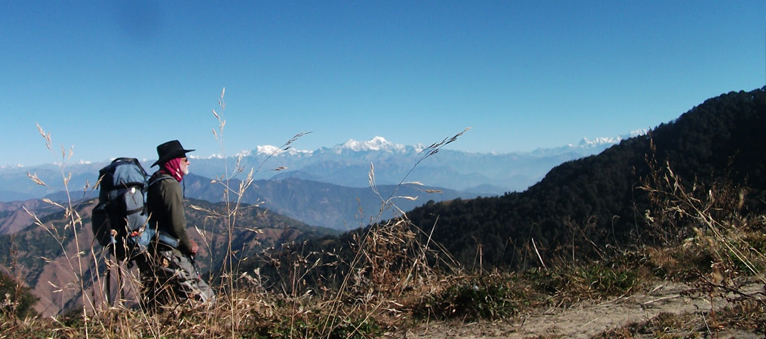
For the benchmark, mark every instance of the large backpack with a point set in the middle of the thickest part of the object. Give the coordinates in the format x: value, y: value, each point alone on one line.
x: 120, y: 219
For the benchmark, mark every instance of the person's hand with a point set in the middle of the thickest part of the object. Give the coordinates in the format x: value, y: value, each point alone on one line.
x: 194, y: 247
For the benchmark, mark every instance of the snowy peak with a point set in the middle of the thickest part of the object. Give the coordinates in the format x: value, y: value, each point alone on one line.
x: 375, y: 144
x: 265, y: 150
x: 269, y: 150
x: 588, y: 146
x: 588, y: 143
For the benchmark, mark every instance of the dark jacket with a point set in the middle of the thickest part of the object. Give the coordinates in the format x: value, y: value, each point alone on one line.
x: 164, y: 200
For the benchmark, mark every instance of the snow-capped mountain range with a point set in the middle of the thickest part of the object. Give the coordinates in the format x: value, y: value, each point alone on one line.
x: 380, y: 144
x: 585, y: 142
x: 349, y: 164
x: 377, y: 143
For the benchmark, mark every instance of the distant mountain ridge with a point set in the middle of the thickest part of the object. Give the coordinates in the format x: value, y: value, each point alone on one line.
x: 346, y: 164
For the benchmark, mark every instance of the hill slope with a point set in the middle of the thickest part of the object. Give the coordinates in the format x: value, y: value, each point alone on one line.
x: 595, y: 200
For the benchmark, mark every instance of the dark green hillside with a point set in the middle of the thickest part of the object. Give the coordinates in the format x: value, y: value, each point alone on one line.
x: 725, y: 135
x: 596, y: 198
x: 12, y: 291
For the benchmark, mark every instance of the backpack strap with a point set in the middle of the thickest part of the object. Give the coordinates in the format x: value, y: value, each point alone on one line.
x: 158, y: 179
x: 152, y: 182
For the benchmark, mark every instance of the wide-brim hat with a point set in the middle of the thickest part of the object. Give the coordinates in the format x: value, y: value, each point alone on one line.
x: 170, y: 150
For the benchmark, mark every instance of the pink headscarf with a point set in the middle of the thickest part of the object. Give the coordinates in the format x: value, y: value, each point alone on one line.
x: 173, y: 167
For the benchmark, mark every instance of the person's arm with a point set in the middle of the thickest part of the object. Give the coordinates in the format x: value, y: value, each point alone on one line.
x: 175, y: 211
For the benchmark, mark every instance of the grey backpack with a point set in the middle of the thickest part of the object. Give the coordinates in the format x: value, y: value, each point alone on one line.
x: 120, y: 219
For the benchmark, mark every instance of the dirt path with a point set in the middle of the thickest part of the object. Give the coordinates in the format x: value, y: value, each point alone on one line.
x: 585, y: 320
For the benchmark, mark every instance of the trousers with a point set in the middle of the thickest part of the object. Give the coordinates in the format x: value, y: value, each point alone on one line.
x: 170, y: 277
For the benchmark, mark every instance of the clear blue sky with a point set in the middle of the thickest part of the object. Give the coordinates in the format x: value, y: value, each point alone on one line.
x: 116, y: 78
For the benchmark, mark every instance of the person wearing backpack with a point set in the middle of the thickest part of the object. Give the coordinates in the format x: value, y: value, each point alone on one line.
x: 172, y: 273
x: 119, y: 220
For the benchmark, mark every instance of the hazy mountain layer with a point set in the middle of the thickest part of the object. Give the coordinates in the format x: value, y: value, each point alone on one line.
x: 347, y: 165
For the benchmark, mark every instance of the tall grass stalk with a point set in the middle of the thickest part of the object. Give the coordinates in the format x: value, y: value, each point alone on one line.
x: 375, y: 246
x: 232, y: 198
x: 74, y: 224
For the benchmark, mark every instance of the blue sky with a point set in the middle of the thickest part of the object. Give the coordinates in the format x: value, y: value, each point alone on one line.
x: 116, y: 78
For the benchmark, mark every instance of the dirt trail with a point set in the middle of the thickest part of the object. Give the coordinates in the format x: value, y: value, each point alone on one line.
x: 586, y: 319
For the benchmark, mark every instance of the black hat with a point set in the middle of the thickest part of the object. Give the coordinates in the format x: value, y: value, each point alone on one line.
x: 170, y: 150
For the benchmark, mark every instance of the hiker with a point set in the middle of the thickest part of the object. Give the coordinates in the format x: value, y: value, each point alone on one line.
x: 171, y: 274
